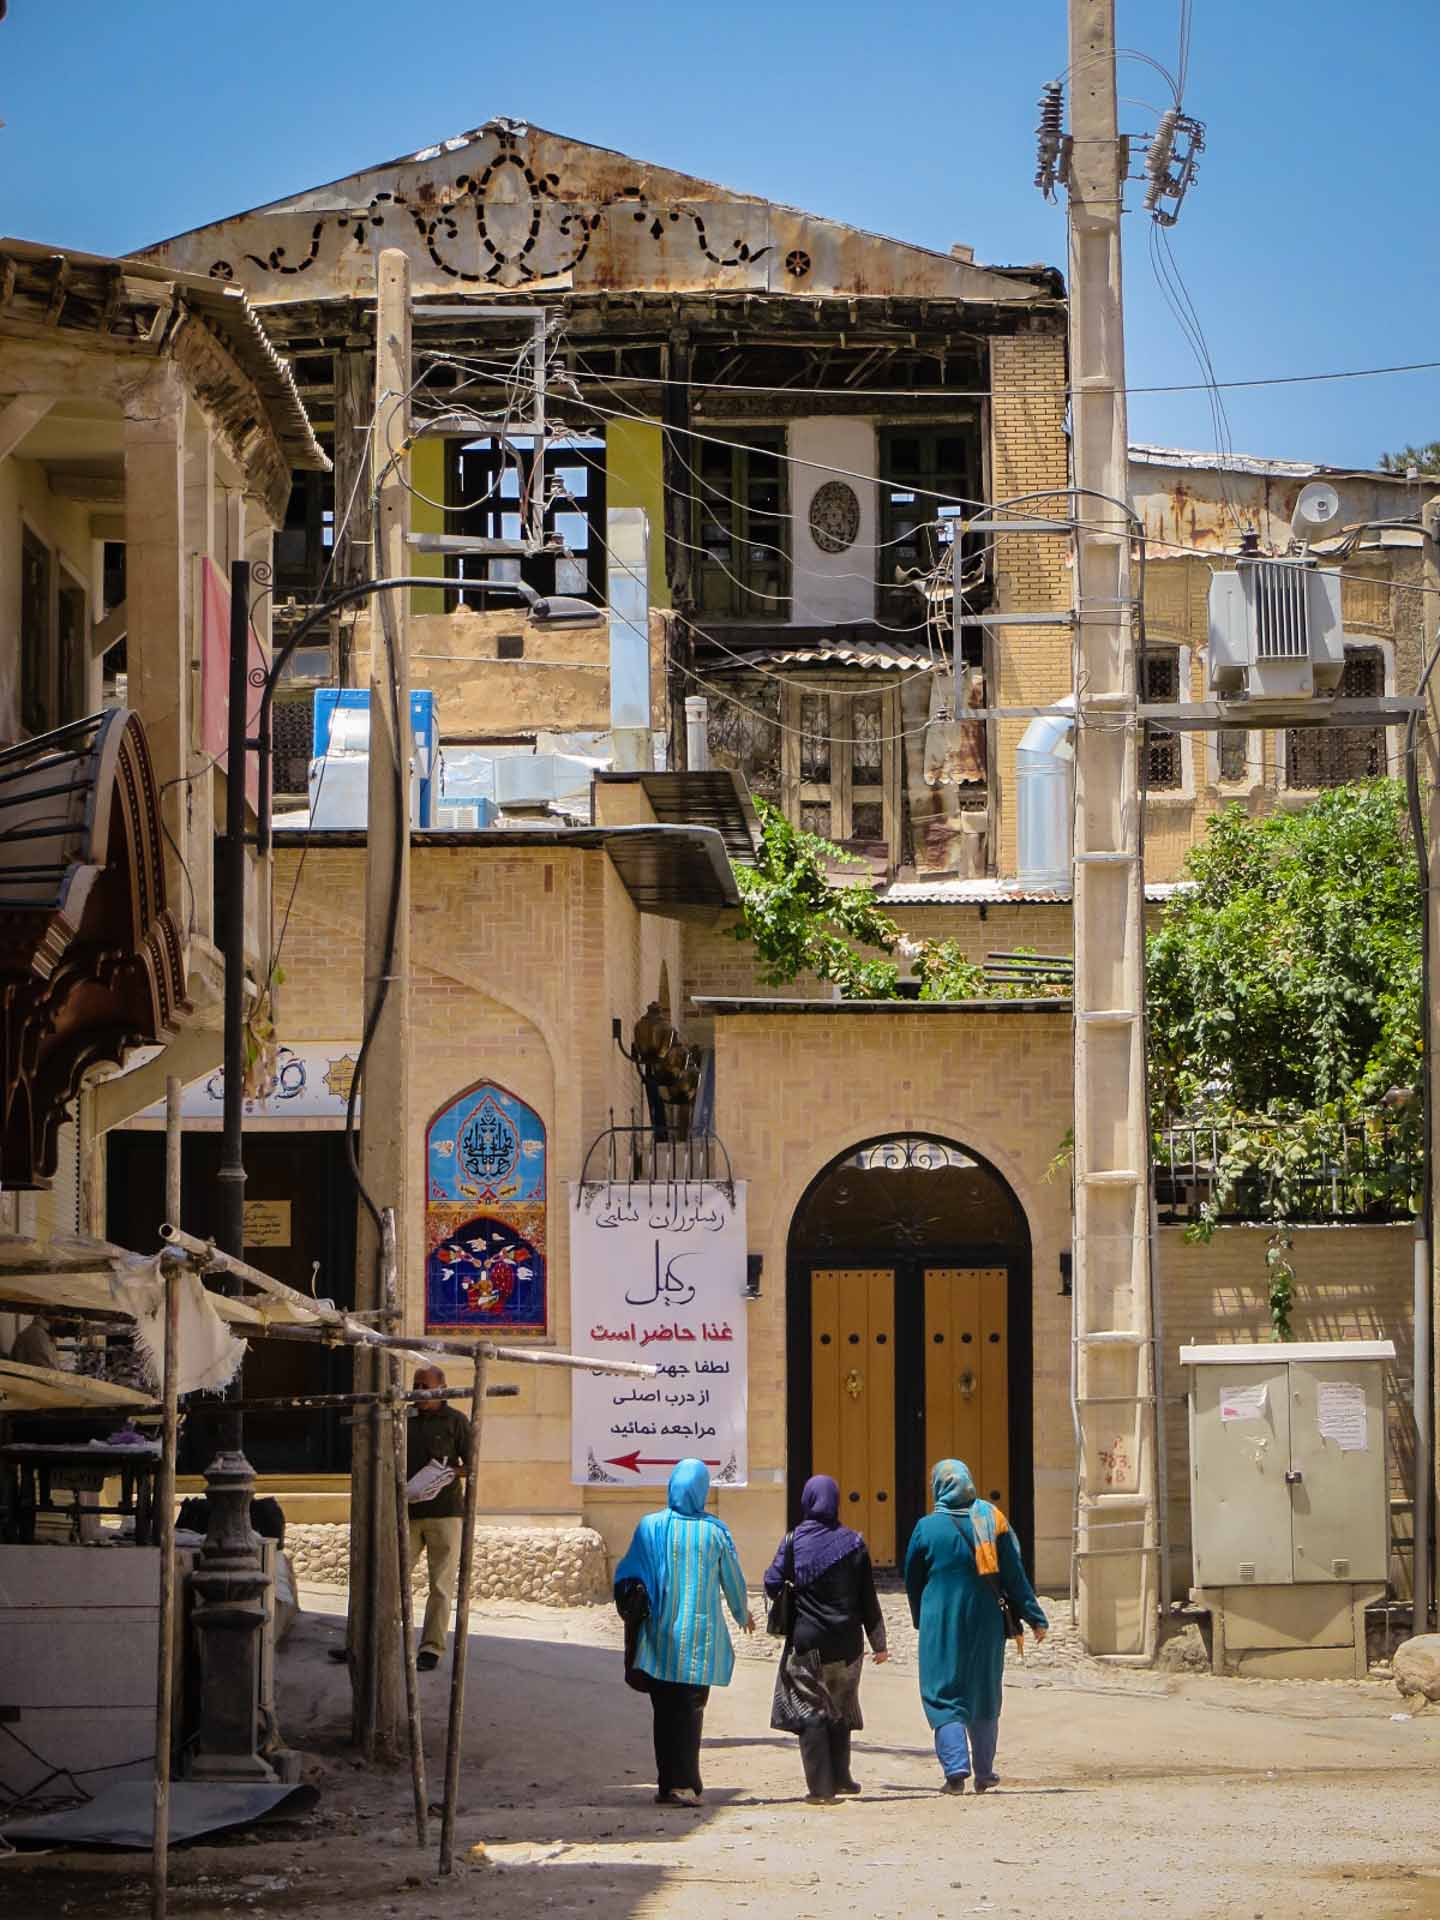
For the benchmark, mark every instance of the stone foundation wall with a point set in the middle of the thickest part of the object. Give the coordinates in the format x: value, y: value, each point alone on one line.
x: 556, y: 1566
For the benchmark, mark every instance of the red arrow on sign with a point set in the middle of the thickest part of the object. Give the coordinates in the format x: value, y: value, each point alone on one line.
x: 633, y: 1463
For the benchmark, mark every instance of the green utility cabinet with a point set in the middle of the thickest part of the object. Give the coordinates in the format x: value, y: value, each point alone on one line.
x: 1289, y: 1501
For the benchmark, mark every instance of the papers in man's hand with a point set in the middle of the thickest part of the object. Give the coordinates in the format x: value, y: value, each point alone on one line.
x: 425, y: 1484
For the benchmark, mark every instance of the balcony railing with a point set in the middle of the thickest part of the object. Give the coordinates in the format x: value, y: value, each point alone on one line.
x: 1365, y: 1168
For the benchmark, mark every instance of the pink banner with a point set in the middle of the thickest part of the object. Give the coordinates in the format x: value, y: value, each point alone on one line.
x: 215, y: 677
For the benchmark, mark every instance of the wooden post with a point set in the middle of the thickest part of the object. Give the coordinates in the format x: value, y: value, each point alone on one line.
x: 397, y: 1408
x: 172, y: 1267
x: 385, y: 1104
x: 455, y: 1736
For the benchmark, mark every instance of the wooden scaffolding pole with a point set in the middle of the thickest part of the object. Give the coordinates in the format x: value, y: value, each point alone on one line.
x: 171, y: 1268
x: 455, y: 1733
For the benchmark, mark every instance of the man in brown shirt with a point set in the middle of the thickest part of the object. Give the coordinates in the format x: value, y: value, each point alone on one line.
x: 439, y: 1435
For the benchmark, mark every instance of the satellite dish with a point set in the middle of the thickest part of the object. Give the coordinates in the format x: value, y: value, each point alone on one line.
x: 1317, y: 506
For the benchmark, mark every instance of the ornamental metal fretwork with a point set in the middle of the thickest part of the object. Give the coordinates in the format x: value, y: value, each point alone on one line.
x: 903, y: 1194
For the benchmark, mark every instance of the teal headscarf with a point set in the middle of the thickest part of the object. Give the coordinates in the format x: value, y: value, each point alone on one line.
x: 953, y: 1487
x: 649, y: 1557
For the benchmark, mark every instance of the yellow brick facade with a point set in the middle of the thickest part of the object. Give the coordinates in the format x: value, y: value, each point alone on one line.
x: 520, y: 960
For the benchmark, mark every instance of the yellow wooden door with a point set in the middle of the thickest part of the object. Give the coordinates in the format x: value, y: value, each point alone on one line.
x: 967, y: 1374
x: 852, y: 1339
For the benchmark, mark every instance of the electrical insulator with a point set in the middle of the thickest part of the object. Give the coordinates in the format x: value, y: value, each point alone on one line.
x: 1048, y: 137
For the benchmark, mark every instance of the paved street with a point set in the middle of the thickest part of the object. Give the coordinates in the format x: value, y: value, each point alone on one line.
x: 1218, y: 1800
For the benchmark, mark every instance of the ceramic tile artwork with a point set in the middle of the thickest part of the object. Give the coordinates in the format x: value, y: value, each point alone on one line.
x: 485, y: 1261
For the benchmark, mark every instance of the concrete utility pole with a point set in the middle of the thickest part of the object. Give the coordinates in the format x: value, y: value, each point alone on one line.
x: 1426, y: 1382
x: 1118, y: 1532
x: 385, y: 1103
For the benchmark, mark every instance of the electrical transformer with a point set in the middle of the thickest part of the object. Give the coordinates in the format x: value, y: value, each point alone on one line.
x: 1275, y: 632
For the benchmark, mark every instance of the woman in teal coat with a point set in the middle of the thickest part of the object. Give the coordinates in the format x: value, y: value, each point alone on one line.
x: 961, y: 1559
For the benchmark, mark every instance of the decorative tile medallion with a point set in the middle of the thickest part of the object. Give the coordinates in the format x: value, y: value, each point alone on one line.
x: 485, y: 1255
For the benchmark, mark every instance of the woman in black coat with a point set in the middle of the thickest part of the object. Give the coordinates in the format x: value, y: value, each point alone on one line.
x: 817, y: 1687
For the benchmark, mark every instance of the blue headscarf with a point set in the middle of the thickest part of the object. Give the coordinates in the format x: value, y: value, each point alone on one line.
x: 649, y: 1557
x: 953, y: 1487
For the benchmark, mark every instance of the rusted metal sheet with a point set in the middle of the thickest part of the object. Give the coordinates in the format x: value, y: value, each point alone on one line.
x: 1191, y: 499
x: 510, y: 207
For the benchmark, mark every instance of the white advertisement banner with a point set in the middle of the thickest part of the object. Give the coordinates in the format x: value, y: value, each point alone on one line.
x: 657, y: 1273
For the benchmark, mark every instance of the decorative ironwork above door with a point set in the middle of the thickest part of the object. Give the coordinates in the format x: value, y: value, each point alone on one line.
x: 901, y: 1194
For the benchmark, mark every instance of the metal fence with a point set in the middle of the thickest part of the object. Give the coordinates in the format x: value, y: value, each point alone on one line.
x: 1366, y: 1168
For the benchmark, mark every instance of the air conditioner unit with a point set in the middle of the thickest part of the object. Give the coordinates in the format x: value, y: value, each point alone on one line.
x: 1275, y: 632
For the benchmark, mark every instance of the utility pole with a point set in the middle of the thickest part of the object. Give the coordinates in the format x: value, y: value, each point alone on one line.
x: 375, y: 1600
x: 1119, y: 1535
x: 1426, y: 1385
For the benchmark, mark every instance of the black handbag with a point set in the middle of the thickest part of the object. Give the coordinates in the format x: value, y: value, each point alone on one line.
x: 632, y: 1603
x: 1009, y: 1618
x: 781, y: 1618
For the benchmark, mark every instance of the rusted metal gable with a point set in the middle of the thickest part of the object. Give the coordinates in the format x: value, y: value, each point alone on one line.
x: 510, y: 207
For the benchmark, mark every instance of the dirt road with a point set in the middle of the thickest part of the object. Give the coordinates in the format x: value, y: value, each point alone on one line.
x: 1122, y: 1795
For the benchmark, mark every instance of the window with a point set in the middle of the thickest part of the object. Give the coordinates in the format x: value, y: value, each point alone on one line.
x: 1332, y: 756
x: 304, y: 544
x: 489, y: 486
x: 1164, y: 769
x: 54, y: 640
x: 921, y: 470
x: 37, y: 708
x: 825, y: 751
x: 741, y: 521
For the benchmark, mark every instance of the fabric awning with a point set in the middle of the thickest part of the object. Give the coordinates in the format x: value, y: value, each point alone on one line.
x: 25, y: 1389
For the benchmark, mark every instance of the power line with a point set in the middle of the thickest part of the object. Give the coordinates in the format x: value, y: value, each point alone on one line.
x: 987, y: 393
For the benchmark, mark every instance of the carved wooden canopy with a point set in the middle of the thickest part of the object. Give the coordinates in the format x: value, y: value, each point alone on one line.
x: 91, y: 962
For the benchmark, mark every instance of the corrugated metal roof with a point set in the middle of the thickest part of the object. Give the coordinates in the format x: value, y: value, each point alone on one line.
x: 842, y: 653
x: 1144, y: 454
x: 989, y: 893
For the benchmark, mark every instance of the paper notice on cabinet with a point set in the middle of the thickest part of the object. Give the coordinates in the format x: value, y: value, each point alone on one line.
x: 1341, y: 1415
x: 1243, y: 1403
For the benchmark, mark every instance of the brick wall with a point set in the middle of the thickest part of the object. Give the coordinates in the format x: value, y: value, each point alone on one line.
x: 1029, y: 452
x: 795, y: 1091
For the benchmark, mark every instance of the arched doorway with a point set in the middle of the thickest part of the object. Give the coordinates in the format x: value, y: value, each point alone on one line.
x: 909, y: 1328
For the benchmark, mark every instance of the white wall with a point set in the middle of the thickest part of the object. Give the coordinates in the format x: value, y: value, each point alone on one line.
x: 831, y: 586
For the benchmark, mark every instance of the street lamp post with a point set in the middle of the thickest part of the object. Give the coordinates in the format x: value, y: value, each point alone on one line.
x: 229, y: 1585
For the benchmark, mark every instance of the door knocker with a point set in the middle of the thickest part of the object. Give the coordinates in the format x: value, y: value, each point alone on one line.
x: 854, y: 1383
x: 967, y: 1385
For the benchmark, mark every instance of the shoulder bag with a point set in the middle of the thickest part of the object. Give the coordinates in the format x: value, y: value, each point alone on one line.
x: 1009, y: 1618
x: 781, y: 1618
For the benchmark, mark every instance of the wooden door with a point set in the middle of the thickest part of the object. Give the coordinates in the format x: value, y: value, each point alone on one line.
x: 852, y: 1376
x: 967, y: 1374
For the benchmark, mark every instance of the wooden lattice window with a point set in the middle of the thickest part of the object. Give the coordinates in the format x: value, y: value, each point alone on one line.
x: 826, y: 750
x: 742, y: 524
x: 1333, y: 756
x: 1164, y: 768
x: 923, y: 471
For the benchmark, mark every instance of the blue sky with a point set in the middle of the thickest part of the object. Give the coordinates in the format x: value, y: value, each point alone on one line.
x: 1308, y: 244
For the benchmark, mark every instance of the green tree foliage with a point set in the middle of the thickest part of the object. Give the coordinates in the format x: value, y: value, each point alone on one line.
x: 1283, y: 998
x: 802, y: 922
x: 1290, y: 977
x: 1426, y: 458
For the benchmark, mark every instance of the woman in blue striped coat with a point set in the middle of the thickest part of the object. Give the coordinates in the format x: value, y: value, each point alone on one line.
x: 683, y: 1562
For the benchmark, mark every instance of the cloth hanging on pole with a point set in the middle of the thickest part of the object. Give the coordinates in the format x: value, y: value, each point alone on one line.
x: 209, y: 1355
